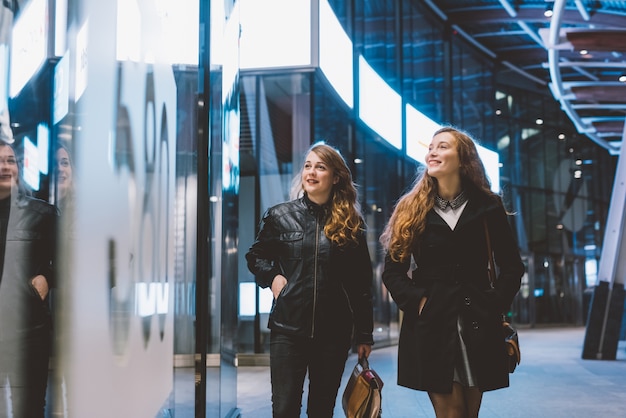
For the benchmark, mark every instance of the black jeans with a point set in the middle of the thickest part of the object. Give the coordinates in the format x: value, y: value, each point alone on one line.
x: 24, y: 374
x: 290, y: 359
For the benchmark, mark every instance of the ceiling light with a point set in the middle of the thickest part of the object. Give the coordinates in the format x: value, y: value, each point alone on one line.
x: 622, y: 78
x: 583, y: 52
x: 548, y: 12
x: 539, y: 121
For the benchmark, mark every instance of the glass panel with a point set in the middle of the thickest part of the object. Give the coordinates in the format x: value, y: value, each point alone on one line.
x: 104, y: 126
x: 380, y: 164
x: 422, y: 61
x: 275, y: 133
x: 375, y: 39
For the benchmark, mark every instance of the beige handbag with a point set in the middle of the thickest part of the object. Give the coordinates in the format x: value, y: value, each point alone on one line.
x: 362, y: 396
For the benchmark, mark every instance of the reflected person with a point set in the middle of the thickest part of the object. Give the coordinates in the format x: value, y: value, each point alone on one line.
x: 65, y: 192
x: 64, y: 199
x: 65, y: 179
x: 312, y: 253
x: 28, y: 227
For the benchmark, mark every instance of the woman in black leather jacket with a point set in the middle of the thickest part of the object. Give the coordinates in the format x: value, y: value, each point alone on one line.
x: 27, y: 245
x: 312, y: 253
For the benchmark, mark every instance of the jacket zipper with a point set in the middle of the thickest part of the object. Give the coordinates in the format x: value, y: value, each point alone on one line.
x: 317, y: 243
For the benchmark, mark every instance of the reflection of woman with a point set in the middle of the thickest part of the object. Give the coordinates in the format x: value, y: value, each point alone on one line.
x: 312, y: 253
x: 64, y: 198
x: 65, y: 189
x: 451, y: 343
x: 27, y: 241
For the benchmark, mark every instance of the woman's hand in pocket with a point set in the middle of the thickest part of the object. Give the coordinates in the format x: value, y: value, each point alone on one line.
x: 422, y: 304
x: 277, y: 285
x: 40, y: 284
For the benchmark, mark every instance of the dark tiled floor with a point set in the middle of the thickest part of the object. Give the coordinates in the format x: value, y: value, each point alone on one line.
x: 553, y: 381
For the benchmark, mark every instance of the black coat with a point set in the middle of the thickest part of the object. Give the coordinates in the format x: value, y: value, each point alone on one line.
x: 328, y: 291
x: 452, y: 272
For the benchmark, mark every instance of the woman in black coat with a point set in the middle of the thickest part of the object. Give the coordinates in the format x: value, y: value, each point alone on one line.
x: 451, y: 343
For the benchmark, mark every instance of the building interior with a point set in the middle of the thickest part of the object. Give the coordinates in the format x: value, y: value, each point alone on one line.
x: 185, y: 120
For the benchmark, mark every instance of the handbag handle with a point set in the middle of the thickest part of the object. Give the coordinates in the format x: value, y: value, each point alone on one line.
x: 364, y: 363
x: 492, y: 264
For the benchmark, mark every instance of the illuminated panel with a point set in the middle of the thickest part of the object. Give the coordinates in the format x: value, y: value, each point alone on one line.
x: 28, y: 45
x: 266, y: 298
x: 60, y: 27
x: 275, y: 33
x: 335, y: 54
x: 178, y: 24
x: 380, y: 107
x: 218, y: 21
x: 419, y: 133
x: 230, y: 104
x: 4, y: 75
x: 180, y: 27
x: 128, y: 31
x: 31, y: 164
x: 43, y: 147
x: 60, y: 99
x: 247, y: 299
x: 230, y: 69
x: 491, y: 161
x: 81, y: 62
x: 151, y: 298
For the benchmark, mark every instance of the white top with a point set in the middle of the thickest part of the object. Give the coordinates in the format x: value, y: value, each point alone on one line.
x: 451, y: 216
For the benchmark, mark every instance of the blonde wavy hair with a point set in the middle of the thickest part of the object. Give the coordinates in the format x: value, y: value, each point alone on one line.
x: 345, y: 219
x: 408, y: 219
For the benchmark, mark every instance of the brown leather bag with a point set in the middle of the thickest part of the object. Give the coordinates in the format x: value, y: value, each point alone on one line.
x: 362, y: 397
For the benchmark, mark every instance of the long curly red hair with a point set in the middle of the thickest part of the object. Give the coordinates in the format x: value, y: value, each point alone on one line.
x: 408, y: 219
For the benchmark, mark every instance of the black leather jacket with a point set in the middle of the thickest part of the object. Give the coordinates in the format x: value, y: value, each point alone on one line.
x: 328, y: 293
x: 30, y: 247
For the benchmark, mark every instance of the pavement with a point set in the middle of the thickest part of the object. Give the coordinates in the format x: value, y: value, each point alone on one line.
x: 552, y: 381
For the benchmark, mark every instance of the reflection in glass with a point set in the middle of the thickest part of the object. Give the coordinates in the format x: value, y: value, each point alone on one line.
x: 26, y: 251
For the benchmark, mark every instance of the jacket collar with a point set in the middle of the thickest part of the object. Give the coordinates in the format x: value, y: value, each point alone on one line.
x: 454, y: 203
x: 314, y: 208
x: 478, y: 204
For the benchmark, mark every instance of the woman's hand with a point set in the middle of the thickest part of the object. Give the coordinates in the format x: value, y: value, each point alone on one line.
x: 364, y: 350
x: 422, y: 304
x: 277, y: 285
x: 40, y: 283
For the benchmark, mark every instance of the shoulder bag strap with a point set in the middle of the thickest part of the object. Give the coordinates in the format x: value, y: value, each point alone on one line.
x: 492, y: 267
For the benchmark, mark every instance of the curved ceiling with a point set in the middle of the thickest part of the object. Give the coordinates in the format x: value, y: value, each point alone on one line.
x: 578, y: 53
